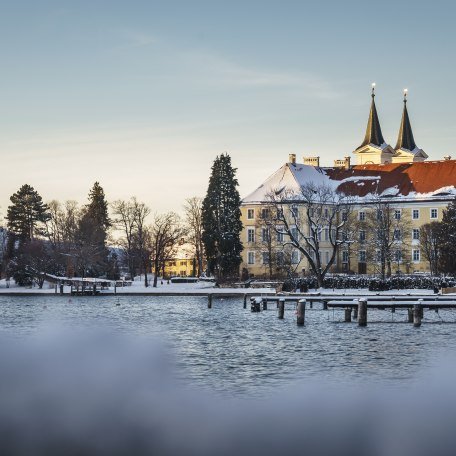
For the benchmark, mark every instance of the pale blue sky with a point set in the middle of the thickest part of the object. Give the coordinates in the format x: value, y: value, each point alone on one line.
x: 142, y: 95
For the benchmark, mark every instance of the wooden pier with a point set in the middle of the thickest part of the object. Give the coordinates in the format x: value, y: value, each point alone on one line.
x: 357, y: 307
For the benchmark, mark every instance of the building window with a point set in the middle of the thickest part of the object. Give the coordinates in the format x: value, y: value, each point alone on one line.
x: 265, y: 235
x: 416, y: 255
x: 251, y: 235
x: 398, y: 256
x: 344, y: 256
x: 294, y: 211
x: 361, y: 216
x: 416, y: 234
x: 379, y: 214
x: 327, y: 257
x: 279, y: 234
x: 397, y: 234
x: 362, y: 236
x: 294, y: 233
x: 397, y: 214
x: 294, y: 257
x: 362, y: 256
x: 265, y: 257
x: 279, y: 213
x: 250, y: 214
x: 279, y: 258
x: 344, y: 216
x: 251, y: 257
x: 326, y: 234
x: 434, y: 213
x: 415, y: 214
x: 265, y: 213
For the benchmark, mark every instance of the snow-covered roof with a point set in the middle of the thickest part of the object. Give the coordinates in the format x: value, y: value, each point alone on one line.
x: 410, y: 181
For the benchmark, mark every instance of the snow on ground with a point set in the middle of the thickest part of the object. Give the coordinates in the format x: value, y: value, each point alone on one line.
x: 137, y: 287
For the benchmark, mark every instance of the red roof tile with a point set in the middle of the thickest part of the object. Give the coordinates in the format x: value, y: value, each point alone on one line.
x: 419, y: 177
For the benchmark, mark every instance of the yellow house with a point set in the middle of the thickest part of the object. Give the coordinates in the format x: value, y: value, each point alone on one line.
x: 182, y: 263
x: 416, y: 190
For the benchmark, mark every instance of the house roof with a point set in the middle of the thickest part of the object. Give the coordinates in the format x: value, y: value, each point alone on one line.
x: 418, y: 180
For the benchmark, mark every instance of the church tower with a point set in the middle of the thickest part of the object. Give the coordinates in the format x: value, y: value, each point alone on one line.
x: 374, y: 149
x: 406, y: 149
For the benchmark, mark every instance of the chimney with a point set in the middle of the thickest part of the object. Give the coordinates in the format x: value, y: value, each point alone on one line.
x: 311, y: 161
x: 447, y: 157
x: 292, y: 158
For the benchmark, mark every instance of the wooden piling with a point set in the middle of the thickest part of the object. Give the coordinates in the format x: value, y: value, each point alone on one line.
x: 410, y: 315
x: 94, y: 289
x: 348, y: 315
x: 265, y: 303
x: 245, y: 301
x: 355, y: 313
x: 255, y: 305
x: 325, y: 305
x: 301, y: 312
x: 61, y: 288
x: 417, y: 309
x: 281, y: 308
x: 362, y: 312
x: 209, y: 301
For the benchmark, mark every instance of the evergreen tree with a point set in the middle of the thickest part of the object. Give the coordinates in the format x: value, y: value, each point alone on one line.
x: 92, y: 234
x: 221, y: 218
x: 26, y: 213
x: 448, y: 239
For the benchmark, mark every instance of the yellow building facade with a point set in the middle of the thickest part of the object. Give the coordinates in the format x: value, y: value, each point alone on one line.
x: 416, y: 190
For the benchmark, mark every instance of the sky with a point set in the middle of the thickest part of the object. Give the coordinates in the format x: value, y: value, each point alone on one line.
x: 143, y: 95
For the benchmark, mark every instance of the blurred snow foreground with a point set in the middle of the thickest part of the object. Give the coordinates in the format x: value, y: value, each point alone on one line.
x: 86, y: 393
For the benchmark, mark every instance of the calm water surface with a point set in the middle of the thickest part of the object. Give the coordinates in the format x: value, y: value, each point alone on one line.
x: 229, y: 349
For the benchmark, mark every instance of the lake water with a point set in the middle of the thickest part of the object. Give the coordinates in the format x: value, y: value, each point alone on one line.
x: 232, y: 351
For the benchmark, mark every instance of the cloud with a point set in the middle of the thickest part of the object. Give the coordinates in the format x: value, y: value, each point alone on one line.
x: 224, y: 72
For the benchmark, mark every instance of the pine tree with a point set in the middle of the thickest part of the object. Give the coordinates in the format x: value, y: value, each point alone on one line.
x: 221, y: 218
x: 26, y: 213
x: 448, y: 239
x: 93, y: 232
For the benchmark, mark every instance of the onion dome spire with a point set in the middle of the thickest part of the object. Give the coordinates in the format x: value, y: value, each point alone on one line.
x: 373, y: 131
x: 405, y: 139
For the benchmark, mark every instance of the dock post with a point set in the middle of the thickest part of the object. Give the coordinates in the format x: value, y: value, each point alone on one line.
x: 301, y: 313
x: 362, y: 312
x: 94, y: 289
x: 115, y: 287
x: 245, y: 301
x: 55, y: 287
x: 255, y: 305
x: 209, y: 301
x: 355, y: 309
x: 410, y: 315
x: 348, y: 314
x: 265, y: 303
x: 325, y: 305
x: 420, y: 301
x: 417, y: 309
x: 311, y: 304
x: 61, y: 288
x: 281, y: 308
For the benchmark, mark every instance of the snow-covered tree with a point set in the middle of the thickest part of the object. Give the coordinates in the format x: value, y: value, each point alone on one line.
x: 193, y: 208
x: 221, y: 219
x: 430, y: 244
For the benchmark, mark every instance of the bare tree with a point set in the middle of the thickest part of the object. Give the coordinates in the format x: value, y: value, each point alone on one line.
x: 142, y: 238
x: 430, y: 243
x: 194, y: 228
x: 126, y: 215
x: 165, y: 233
x: 387, y: 243
x: 309, y: 218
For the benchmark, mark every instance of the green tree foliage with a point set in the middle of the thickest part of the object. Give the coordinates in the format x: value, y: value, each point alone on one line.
x: 26, y: 214
x: 221, y: 218
x: 92, y: 233
x: 448, y: 239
